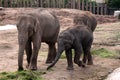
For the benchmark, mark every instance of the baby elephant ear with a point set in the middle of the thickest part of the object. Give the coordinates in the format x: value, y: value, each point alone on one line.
x: 68, y: 41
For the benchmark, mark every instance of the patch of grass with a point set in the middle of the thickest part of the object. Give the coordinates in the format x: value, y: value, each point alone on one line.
x: 63, y: 56
x: 22, y: 75
x: 118, y: 35
x: 105, y: 53
x: 102, y: 52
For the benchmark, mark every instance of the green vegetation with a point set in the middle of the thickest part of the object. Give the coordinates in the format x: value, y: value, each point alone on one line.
x: 102, y: 52
x: 36, y: 75
x: 114, y: 3
x: 63, y: 56
x: 105, y: 53
x: 118, y: 35
x: 7, y: 2
x: 22, y: 75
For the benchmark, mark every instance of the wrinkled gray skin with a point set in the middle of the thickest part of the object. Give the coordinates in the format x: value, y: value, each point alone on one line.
x: 34, y: 28
x: 85, y: 18
x: 88, y: 19
x: 80, y: 39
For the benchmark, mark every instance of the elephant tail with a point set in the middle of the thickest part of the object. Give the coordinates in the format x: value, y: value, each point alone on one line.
x: 56, y: 58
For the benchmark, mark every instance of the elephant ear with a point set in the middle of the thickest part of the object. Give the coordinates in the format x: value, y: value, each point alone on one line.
x: 36, y: 24
x: 69, y: 40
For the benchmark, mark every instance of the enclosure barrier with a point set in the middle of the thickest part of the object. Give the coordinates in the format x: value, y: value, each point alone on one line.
x: 87, y: 5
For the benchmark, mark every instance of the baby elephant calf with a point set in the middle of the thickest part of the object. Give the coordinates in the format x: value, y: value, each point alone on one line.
x: 80, y: 39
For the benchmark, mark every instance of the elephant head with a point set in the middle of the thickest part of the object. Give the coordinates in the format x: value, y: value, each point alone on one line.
x: 85, y: 18
x: 80, y: 20
x: 27, y: 23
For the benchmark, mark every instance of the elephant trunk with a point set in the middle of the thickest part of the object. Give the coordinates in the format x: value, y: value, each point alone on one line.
x: 59, y: 52
x: 22, y: 39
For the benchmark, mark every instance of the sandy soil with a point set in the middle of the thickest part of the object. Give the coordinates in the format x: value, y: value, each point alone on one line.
x: 105, y: 36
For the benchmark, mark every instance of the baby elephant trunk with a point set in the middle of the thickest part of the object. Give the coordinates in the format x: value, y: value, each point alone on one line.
x: 59, y: 52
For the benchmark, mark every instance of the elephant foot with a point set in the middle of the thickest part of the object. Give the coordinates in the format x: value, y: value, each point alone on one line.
x: 84, y: 61
x: 20, y: 69
x: 83, y: 65
x: 27, y: 66
x: 90, y: 63
x: 80, y: 64
x: 48, y: 61
x: 70, y: 68
x: 33, y: 68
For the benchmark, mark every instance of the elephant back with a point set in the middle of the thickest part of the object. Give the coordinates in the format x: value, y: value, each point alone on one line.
x: 49, y: 24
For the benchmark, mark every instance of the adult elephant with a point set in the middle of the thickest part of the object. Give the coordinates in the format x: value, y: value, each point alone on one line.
x: 86, y: 18
x: 34, y: 28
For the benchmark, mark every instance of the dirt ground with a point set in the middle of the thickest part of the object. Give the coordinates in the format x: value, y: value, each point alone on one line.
x: 105, y: 36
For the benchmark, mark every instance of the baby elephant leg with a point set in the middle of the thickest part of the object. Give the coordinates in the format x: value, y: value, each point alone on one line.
x: 90, y: 60
x: 87, y: 55
x: 69, y: 59
x: 77, y: 60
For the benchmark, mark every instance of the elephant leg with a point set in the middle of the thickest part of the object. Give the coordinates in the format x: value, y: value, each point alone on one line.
x: 87, y: 57
x: 20, y: 57
x: 69, y: 59
x: 90, y: 60
x: 87, y: 54
x: 36, y: 47
x: 28, y: 52
x: 77, y: 60
x: 22, y: 42
x: 51, y: 53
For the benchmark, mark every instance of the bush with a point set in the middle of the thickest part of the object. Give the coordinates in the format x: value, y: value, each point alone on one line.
x: 114, y: 3
x: 3, y: 2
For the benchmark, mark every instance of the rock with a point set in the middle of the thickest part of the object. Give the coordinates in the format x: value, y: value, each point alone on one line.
x: 1, y: 8
x: 115, y: 75
x: 117, y: 14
